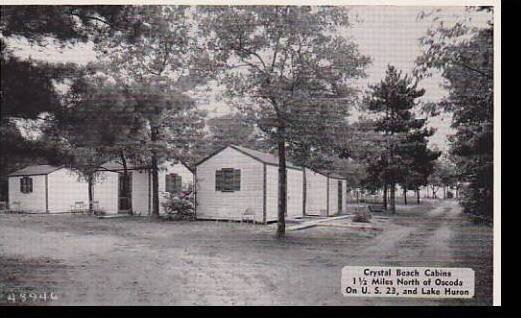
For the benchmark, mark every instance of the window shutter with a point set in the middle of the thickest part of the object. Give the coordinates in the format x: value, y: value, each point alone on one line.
x: 22, y: 188
x: 167, y: 183
x: 218, y: 180
x: 178, y: 183
x: 236, y: 180
x: 228, y: 179
x: 30, y: 184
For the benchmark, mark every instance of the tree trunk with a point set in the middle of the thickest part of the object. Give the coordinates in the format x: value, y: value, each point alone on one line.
x: 155, y: 177
x: 385, y: 196
x: 405, y: 196
x: 124, y: 163
x: 90, y: 181
x: 126, y: 188
x: 282, y: 204
x: 418, y: 196
x: 155, y: 187
x: 393, y: 198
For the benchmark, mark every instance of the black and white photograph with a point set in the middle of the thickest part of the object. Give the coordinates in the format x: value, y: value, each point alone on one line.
x: 250, y: 154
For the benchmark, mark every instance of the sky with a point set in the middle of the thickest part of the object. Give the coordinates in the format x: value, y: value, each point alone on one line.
x: 387, y: 34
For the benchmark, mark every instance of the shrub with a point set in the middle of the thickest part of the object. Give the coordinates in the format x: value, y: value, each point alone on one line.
x: 180, y: 206
x: 362, y: 216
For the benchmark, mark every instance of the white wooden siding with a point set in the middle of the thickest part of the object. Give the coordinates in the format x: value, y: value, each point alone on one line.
x: 214, y: 204
x: 64, y: 189
x: 294, y: 193
x: 29, y: 202
x: 106, y: 192
x: 344, y: 196
x: 140, y: 192
x: 316, y: 193
x: 272, y: 192
x: 333, y: 196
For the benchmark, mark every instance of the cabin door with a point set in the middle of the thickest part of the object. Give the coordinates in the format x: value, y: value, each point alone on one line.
x: 340, y: 208
x: 125, y: 193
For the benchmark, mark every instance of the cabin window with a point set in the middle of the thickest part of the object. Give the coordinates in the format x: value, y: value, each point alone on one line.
x: 228, y: 180
x: 173, y: 183
x: 26, y: 185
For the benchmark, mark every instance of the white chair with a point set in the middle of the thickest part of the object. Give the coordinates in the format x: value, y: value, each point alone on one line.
x: 95, y: 207
x: 14, y: 206
x: 248, y: 215
x: 78, y: 206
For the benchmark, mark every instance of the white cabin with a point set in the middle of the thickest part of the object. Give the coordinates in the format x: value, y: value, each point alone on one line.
x: 325, y: 194
x: 110, y: 197
x: 237, y: 182
x: 337, y: 195
x: 47, y: 189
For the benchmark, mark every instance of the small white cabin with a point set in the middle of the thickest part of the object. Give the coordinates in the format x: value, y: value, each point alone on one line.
x: 337, y: 195
x: 325, y: 194
x: 316, y: 193
x: 47, y: 189
x: 236, y: 183
x: 113, y: 193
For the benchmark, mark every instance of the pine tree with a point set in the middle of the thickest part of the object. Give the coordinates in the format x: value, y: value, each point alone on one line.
x: 392, y: 99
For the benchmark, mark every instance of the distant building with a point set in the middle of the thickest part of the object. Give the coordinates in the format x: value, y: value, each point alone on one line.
x: 46, y: 189
x: 326, y: 194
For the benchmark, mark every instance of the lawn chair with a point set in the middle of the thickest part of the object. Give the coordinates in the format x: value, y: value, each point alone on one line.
x: 248, y: 214
x: 14, y: 206
x: 78, y: 207
x: 95, y: 208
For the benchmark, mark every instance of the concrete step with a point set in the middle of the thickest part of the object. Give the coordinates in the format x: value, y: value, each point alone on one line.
x: 311, y: 223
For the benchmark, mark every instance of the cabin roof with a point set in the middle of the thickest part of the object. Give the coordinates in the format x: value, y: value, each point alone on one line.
x: 35, y: 170
x: 327, y: 174
x: 262, y: 156
x: 336, y: 176
x: 117, y: 166
x: 255, y: 154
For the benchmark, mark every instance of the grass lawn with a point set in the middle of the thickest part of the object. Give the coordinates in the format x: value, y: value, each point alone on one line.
x: 132, y: 261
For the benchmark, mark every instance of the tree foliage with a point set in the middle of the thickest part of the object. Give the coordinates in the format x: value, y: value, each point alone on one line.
x: 290, y: 68
x: 464, y: 55
x: 403, y: 156
x: 28, y: 88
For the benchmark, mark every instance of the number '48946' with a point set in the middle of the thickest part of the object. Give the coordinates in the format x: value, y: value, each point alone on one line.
x: 25, y: 297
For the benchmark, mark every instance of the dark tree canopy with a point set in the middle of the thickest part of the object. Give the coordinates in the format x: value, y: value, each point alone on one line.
x: 464, y: 56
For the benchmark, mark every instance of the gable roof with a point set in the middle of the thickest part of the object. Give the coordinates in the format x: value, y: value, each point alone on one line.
x: 336, y: 176
x: 255, y: 154
x: 328, y: 174
x: 187, y: 166
x: 35, y: 170
x: 115, y: 165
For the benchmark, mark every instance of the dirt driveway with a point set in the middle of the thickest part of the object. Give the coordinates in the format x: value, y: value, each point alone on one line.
x: 88, y: 261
